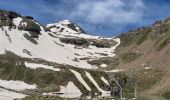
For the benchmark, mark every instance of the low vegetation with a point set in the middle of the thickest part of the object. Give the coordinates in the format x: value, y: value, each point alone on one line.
x: 148, y: 78
x: 111, y: 62
x: 12, y: 67
x: 129, y: 57
x: 6, y: 18
x: 163, y: 41
x: 44, y: 98
x: 31, y: 39
x: 167, y: 94
x: 86, y: 42
x: 159, y: 33
x: 75, y: 41
x: 135, y: 37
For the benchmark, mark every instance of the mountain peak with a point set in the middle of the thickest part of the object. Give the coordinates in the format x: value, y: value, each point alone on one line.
x: 65, y: 26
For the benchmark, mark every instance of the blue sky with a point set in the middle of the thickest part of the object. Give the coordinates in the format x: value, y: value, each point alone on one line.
x: 97, y: 17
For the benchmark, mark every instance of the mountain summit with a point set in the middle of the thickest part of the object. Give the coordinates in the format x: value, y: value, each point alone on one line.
x: 65, y: 26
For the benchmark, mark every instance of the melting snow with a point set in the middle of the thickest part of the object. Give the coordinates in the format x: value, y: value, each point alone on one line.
x: 17, y: 21
x: 79, y: 77
x: 70, y: 91
x: 103, y: 65
x: 115, y: 70
x: 9, y: 95
x: 16, y: 85
x: 97, y: 86
x: 47, y: 48
x: 35, y: 66
x: 104, y: 80
x: 70, y: 88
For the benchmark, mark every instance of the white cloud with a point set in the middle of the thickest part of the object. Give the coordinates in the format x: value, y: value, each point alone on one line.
x: 98, y: 11
x: 111, y: 11
x: 97, y: 16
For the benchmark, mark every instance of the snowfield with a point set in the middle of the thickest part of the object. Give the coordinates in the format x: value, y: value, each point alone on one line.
x: 16, y: 85
x: 69, y: 91
x: 70, y: 88
x: 51, y: 48
x: 35, y: 66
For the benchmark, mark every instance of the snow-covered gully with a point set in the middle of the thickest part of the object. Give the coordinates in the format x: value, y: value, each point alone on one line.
x: 68, y: 91
x: 79, y: 77
x: 95, y: 83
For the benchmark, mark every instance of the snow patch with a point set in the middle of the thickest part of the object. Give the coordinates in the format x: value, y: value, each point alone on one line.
x: 70, y: 88
x: 17, y: 21
x: 146, y: 68
x: 103, y: 65
x: 97, y: 86
x: 79, y: 77
x: 16, y: 85
x: 9, y: 95
x: 35, y: 66
x: 115, y: 70
x: 69, y: 91
x: 104, y: 80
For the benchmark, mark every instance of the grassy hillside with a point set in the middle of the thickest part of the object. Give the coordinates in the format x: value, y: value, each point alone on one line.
x: 12, y: 67
x: 147, y: 49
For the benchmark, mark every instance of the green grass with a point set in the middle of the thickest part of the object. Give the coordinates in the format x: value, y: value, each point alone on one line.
x: 129, y: 57
x: 44, y: 98
x: 147, y: 78
x: 142, y: 38
x: 163, y: 41
x: 42, y: 77
x: 166, y: 94
x: 47, y: 80
x: 111, y: 62
x: 97, y: 77
x: 134, y: 37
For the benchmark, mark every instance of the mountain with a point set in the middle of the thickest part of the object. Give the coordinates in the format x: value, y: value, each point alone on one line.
x: 65, y: 26
x: 39, y: 61
x: 146, y: 51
